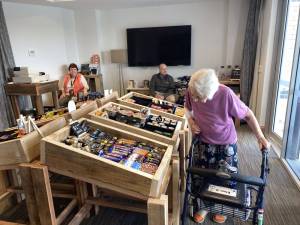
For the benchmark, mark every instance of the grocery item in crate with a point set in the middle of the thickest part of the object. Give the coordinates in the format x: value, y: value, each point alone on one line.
x: 130, y: 153
x: 9, y: 135
x: 161, y: 125
x: 52, y: 114
x: 142, y: 119
x: 179, y: 111
x: 140, y: 100
x: 158, y: 104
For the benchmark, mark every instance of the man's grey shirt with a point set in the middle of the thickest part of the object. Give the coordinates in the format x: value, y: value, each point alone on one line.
x: 162, y: 83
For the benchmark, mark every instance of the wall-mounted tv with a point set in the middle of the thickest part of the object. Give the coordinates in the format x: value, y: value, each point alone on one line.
x: 154, y: 45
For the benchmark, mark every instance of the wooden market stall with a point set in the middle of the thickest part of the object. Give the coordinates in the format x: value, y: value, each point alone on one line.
x: 148, y: 189
x: 102, y: 115
x: 169, y: 110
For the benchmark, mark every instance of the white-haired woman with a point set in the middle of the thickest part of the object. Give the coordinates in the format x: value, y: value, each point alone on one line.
x: 210, y: 109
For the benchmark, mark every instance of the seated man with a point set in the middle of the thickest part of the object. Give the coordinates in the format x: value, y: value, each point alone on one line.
x: 74, y: 85
x: 162, y: 85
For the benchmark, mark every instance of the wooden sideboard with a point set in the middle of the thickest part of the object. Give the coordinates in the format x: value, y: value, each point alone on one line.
x: 35, y: 90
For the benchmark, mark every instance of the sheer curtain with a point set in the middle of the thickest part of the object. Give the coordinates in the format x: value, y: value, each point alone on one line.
x: 250, y: 48
x: 6, y: 64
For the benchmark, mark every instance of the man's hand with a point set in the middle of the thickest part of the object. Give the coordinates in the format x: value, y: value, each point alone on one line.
x: 62, y: 95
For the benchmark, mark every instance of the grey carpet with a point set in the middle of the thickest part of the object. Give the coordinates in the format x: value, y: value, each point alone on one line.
x: 282, y: 198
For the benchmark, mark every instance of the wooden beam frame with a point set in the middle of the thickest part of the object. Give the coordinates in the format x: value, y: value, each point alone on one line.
x: 135, y: 206
x: 63, y: 215
x: 83, y: 212
x: 158, y: 211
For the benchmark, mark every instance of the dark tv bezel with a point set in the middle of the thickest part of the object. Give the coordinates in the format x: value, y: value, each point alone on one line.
x: 189, y: 29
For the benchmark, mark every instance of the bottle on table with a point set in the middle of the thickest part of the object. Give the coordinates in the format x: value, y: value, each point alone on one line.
x: 221, y: 73
x: 228, y: 72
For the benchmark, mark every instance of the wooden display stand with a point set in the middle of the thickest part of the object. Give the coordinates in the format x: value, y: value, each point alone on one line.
x: 84, y: 110
x: 13, y: 154
x: 89, y: 106
x: 184, y: 135
x: 110, y: 98
x: 26, y: 148
x: 72, y: 162
x: 169, y: 140
x: 95, y: 82
x: 39, y: 194
x: 124, y: 101
x: 148, y: 190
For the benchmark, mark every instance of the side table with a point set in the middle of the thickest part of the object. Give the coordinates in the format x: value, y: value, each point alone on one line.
x: 35, y: 90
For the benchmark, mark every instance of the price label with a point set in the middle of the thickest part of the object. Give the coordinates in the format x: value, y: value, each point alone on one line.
x: 222, y: 190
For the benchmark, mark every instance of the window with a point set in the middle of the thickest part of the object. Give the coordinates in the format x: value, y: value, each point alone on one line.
x: 287, y: 59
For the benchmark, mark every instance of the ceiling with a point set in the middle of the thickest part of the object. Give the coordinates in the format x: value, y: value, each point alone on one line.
x: 102, y: 4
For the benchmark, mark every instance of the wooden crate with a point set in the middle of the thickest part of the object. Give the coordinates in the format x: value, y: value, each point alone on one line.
x: 168, y: 140
x: 26, y: 148
x: 44, y: 121
x: 85, y: 166
x: 83, y: 110
x: 123, y: 100
x: 110, y: 98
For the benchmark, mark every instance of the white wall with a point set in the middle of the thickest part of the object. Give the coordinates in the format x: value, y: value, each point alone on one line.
x: 237, y: 19
x: 86, y: 33
x: 217, y: 34
x: 50, y: 31
x: 60, y: 36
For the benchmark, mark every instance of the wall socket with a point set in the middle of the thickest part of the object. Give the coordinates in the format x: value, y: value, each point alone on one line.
x: 31, y: 53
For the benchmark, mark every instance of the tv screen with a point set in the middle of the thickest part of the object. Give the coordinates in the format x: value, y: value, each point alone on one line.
x: 155, y: 45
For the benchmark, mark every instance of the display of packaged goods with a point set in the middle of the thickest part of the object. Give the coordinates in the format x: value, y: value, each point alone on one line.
x: 53, y: 114
x: 140, y: 121
x: 157, y: 106
x: 179, y: 112
x: 9, y: 135
x: 130, y: 153
x: 102, y: 154
x: 148, y: 101
x: 16, y: 149
x: 90, y: 96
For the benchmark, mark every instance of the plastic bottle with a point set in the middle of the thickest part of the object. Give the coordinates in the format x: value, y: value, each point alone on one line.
x: 236, y: 72
x: 260, y: 217
x: 221, y: 72
x: 21, y: 125
x: 71, y: 106
x: 228, y: 72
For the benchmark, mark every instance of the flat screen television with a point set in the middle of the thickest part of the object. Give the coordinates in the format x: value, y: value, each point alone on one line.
x: 154, y: 45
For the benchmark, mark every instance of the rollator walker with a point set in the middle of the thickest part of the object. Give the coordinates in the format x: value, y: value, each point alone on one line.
x: 206, y: 189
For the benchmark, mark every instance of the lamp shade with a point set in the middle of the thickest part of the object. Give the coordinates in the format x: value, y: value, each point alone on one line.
x: 118, y: 56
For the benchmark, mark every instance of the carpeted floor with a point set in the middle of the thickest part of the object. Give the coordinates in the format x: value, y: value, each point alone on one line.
x: 282, y: 198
